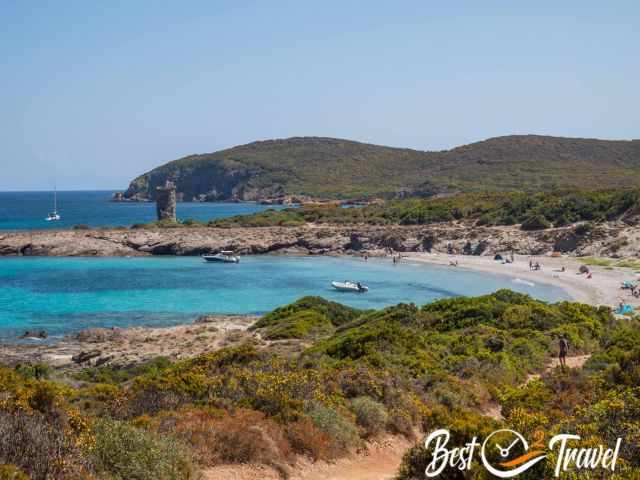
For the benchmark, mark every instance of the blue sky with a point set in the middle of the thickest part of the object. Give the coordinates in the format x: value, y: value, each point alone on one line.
x: 95, y: 93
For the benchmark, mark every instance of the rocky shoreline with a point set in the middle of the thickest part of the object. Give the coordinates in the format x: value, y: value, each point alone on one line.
x: 611, y: 240
x: 124, y: 347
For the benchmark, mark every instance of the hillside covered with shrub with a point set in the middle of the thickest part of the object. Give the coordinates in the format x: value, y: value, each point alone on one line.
x: 402, y: 369
x: 335, y: 168
x: 533, y: 211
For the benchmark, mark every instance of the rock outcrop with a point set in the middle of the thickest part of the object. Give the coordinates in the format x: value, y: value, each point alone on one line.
x: 608, y: 240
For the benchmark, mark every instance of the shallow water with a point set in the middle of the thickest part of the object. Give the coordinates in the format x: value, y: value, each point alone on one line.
x: 62, y: 295
x: 27, y: 210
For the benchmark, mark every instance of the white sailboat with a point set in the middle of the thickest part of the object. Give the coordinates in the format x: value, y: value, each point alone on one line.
x: 54, y: 216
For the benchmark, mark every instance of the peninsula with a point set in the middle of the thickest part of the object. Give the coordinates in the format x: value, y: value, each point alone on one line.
x: 310, y: 168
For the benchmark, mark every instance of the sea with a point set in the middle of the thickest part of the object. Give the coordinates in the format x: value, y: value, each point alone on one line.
x: 63, y: 295
x: 28, y: 210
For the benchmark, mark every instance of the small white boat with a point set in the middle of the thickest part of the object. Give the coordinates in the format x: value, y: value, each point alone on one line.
x: 347, y: 286
x: 224, y: 256
x: 54, y: 216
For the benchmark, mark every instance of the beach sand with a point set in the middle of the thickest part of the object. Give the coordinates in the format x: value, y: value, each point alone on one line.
x: 603, y: 288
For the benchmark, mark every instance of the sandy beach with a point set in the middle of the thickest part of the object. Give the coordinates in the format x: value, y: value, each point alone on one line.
x: 603, y: 288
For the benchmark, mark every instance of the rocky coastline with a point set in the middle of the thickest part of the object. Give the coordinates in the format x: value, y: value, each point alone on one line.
x: 610, y: 240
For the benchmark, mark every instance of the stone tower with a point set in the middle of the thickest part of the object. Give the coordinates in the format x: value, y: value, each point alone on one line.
x: 166, y: 201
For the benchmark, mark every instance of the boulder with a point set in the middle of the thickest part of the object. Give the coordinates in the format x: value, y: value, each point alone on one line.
x: 40, y: 334
x: 97, y: 335
x: 83, y: 356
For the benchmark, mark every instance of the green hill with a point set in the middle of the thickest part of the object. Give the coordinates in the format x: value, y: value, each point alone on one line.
x: 334, y: 168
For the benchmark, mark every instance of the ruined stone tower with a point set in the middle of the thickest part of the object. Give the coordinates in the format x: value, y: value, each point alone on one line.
x: 166, y: 201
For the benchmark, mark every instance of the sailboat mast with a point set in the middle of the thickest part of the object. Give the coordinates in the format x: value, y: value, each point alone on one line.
x: 55, y: 199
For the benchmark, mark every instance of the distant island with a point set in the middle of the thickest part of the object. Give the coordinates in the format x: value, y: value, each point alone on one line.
x: 304, y: 169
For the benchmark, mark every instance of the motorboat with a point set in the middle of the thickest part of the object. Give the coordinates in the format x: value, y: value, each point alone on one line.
x: 224, y: 256
x: 348, y: 286
x: 54, y: 216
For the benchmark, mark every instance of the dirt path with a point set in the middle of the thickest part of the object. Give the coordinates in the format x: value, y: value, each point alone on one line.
x: 572, y: 362
x: 378, y: 461
x: 494, y: 410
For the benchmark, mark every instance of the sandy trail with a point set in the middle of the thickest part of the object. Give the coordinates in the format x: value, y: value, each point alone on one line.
x: 494, y: 410
x: 572, y: 362
x: 379, y: 460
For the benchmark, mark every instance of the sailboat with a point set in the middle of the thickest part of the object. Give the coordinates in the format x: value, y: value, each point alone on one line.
x: 54, y: 216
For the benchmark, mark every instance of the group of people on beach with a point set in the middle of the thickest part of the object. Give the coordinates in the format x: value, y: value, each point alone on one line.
x: 534, y: 266
x: 634, y: 289
x: 388, y: 251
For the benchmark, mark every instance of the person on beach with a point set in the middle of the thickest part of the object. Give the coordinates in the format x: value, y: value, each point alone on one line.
x: 530, y: 264
x: 564, y: 348
x: 366, y: 257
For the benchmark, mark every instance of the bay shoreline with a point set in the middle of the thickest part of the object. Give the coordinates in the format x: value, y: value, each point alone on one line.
x: 123, y: 347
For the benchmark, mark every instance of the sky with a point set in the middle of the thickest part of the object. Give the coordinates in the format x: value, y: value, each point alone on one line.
x: 93, y: 94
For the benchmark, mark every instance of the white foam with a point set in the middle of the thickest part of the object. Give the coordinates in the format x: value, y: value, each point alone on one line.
x: 524, y: 282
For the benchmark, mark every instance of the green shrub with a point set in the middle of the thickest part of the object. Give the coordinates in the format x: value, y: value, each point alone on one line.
x: 341, y: 431
x: 11, y: 472
x: 307, y: 317
x: 114, y: 374
x: 535, y: 222
x: 81, y: 227
x: 372, y: 416
x: 35, y: 371
x: 583, y: 229
x: 192, y: 222
x: 124, y: 452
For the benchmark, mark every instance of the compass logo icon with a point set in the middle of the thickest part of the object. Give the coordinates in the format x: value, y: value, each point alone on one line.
x: 506, y: 453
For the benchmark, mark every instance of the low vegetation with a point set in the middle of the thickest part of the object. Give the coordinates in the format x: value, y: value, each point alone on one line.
x: 610, y: 262
x: 532, y: 211
x: 308, y: 317
x: 401, y: 369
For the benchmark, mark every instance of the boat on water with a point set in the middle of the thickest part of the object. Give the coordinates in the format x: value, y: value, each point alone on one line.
x: 224, y: 256
x: 54, y: 216
x: 348, y: 286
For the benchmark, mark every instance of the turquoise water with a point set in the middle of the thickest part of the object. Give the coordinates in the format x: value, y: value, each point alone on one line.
x: 27, y: 210
x: 62, y: 295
